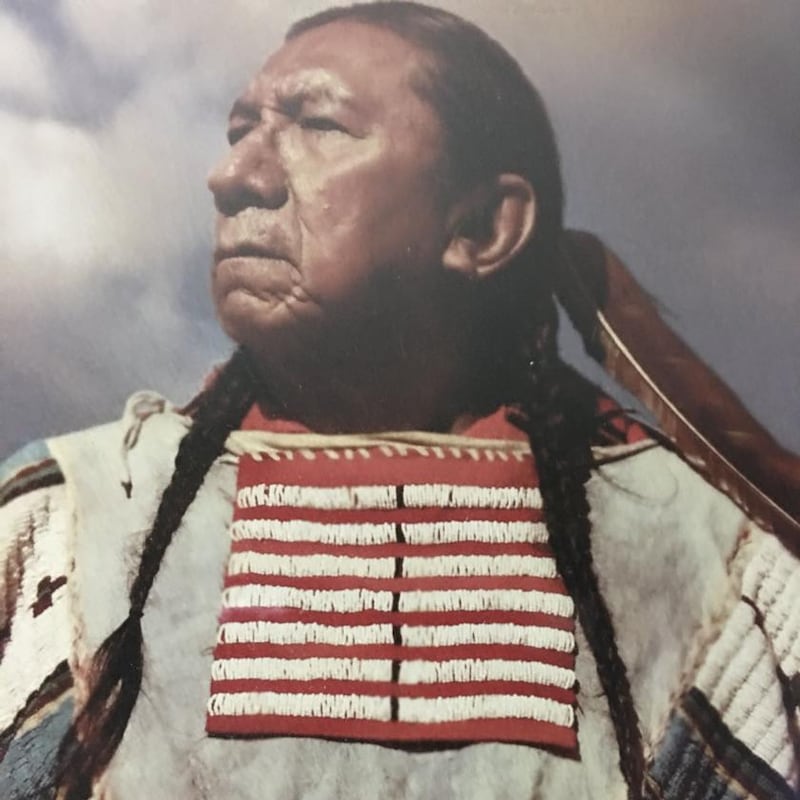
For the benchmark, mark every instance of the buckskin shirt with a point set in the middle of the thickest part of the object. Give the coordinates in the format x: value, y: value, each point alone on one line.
x: 381, y: 616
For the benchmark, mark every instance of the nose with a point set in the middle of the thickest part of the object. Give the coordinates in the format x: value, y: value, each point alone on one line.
x: 251, y: 174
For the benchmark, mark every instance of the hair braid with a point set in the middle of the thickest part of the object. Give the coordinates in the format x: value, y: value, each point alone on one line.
x: 559, y: 415
x: 116, y: 669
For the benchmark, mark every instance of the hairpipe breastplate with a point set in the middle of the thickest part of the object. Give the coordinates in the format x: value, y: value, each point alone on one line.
x: 394, y: 594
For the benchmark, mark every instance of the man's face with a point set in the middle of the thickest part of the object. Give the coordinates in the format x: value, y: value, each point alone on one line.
x: 330, y: 206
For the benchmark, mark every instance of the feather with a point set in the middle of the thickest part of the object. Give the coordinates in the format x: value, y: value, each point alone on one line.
x: 702, y: 417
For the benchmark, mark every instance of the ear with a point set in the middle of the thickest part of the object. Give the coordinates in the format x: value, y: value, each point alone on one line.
x: 491, y: 225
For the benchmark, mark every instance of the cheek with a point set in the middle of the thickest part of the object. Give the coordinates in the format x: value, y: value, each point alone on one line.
x: 375, y: 204
x: 341, y: 183
x: 369, y: 210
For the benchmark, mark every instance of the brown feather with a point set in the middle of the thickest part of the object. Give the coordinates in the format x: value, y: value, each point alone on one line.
x: 622, y: 329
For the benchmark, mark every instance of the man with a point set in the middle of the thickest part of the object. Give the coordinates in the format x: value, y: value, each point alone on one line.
x: 397, y: 613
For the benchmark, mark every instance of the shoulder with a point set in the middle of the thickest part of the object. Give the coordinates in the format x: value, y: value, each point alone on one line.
x: 644, y: 490
x: 669, y: 548
x: 736, y: 719
x: 659, y: 523
x: 705, y: 603
x: 35, y: 699
x: 32, y: 499
x: 48, y: 489
x: 30, y: 468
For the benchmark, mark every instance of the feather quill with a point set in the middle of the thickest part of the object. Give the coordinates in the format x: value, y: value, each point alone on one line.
x: 703, y: 418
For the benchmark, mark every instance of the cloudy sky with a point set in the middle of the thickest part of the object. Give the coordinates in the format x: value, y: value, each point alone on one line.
x: 679, y: 124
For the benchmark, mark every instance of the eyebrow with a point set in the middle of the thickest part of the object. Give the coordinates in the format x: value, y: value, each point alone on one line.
x: 313, y: 86
x: 244, y: 109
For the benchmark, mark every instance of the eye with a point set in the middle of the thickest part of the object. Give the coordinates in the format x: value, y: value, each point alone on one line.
x: 236, y: 133
x: 321, y: 124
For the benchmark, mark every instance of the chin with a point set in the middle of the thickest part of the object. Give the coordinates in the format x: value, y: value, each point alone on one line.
x: 264, y: 325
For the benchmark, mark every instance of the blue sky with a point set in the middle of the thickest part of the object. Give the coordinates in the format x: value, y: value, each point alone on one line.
x: 679, y: 125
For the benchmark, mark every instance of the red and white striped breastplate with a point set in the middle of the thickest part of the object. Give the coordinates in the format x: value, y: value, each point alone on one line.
x: 394, y: 593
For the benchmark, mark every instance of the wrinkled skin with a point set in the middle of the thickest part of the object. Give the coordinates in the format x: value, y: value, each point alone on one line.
x: 333, y: 218
x: 330, y: 196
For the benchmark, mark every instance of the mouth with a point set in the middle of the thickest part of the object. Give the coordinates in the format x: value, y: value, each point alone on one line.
x: 248, y: 250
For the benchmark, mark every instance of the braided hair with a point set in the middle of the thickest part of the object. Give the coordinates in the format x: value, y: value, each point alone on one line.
x: 115, y: 673
x: 494, y: 121
x: 558, y: 412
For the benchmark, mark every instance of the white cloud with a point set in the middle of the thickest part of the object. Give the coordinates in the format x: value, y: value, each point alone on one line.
x: 85, y: 204
x: 80, y: 205
x: 122, y: 201
x: 51, y: 203
x: 232, y: 36
x: 23, y: 63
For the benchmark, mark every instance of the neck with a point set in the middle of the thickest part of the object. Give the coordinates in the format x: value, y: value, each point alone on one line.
x: 365, y: 388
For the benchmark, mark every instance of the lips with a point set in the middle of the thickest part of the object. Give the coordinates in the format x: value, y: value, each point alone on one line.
x: 252, y: 233
x: 249, y: 250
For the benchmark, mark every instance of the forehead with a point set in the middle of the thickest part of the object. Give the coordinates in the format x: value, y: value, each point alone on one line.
x: 361, y: 65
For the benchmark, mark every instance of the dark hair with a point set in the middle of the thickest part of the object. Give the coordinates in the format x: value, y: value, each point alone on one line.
x: 494, y: 121
x: 116, y: 669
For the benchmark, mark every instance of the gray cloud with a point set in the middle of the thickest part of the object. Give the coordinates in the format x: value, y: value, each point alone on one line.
x: 678, y: 125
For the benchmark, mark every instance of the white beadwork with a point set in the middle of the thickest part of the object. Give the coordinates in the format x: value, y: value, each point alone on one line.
x: 339, y: 600
x: 739, y: 679
x: 475, y: 531
x: 302, y: 531
x: 479, y: 556
x: 303, y: 633
x: 487, y: 600
x: 469, y: 670
x: 488, y: 633
x: 301, y: 669
x: 336, y: 706
x: 39, y: 642
x: 453, y: 709
x: 445, y: 495
x: 535, y: 566
x: 305, y: 566
x: 772, y: 582
x: 317, y: 497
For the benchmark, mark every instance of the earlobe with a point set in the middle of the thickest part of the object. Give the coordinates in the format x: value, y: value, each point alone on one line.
x: 491, y: 225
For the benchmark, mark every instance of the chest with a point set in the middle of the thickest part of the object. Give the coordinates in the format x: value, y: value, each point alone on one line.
x: 394, y: 594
